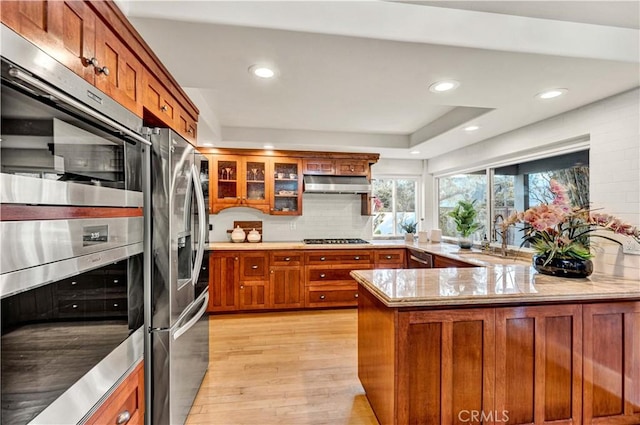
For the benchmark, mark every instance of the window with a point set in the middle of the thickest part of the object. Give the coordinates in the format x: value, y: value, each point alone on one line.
x: 395, y: 201
x: 470, y: 187
x: 514, y: 187
x: 518, y: 187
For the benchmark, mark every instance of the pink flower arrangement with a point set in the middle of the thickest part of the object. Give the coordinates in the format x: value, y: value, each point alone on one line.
x: 557, y: 230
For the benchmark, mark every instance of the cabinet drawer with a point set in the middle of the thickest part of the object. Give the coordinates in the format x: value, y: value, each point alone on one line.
x: 126, y: 400
x: 352, y: 168
x: 319, y: 166
x: 253, y: 267
x: 331, y: 297
x: 286, y: 258
x: 389, y: 257
x: 319, y: 276
x: 339, y: 257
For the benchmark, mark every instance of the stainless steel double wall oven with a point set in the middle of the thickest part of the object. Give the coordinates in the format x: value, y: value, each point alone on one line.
x: 72, y: 237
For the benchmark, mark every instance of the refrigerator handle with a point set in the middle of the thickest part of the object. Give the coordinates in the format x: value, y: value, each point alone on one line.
x: 184, y: 328
x: 202, y: 231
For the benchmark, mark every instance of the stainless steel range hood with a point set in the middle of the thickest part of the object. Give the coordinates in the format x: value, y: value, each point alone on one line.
x: 336, y: 184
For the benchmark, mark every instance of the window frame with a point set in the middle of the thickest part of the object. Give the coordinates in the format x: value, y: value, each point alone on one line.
x: 418, y: 203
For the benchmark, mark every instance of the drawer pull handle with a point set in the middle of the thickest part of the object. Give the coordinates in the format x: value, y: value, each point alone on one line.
x: 388, y: 257
x: 254, y: 267
x: 355, y: 296
x: 322, y: 275
x: 104, y: 70
x: 190, y: 131
x: 356, y: 258
x: 322, y: 258
x: 164, y: 108
x: 74, y: 283
x: 74, y: 306
x: 287, y: 259
x: 123, y: 418
x: 322, y: 297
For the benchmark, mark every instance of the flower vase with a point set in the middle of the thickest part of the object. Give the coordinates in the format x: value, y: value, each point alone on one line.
x: 563, y: 267
x: 465, y: 243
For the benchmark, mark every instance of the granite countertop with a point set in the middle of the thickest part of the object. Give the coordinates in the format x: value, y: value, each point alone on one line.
x: 494, y: 284
x: 247, y: 246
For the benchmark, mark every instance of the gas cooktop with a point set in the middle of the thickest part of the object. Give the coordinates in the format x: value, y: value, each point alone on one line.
x: 335, y: 241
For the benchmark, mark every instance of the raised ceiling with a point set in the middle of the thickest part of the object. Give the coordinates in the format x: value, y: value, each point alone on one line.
x: 354, y: 76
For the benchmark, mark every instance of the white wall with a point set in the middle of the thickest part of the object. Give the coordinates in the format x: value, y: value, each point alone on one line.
x: 323, y: 216
x: 613, y: 127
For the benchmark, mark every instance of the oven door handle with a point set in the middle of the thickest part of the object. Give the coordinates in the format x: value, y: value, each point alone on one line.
x: 64, y: 98
x: 202, y: 231
x: 183, y: 328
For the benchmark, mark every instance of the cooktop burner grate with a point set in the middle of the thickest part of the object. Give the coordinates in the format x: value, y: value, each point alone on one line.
x: 335, y: 241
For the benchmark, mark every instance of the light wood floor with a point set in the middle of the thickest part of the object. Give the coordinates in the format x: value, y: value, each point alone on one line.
x: 291, y: 368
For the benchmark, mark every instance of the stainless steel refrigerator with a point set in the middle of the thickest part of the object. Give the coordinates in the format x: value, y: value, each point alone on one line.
x: 177, y: 337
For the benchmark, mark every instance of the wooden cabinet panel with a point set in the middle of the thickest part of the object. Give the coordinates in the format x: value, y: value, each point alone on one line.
x: 254, y: 294
x: 612, y: 363
x: 119, y: 74
x: 443, y: 262
x: 287, y: 187
x: 319, y: 166
x: 331, y: 296
x: 223, y: 284
x: 287, y: 287
x: 126, y: 401
x: 347, y: 167
x: 450, y: 373
x: 158, y: 102
x: 389, y: 258
x: 63, y: 29
x: 539, y: 364
x: 186, y: 125
x: 239, y: 181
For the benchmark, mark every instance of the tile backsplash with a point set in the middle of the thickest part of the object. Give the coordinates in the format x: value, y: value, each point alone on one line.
x: 323, y: 216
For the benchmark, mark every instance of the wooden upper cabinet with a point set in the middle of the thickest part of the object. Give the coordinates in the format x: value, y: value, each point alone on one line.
x: 158, y: 102
x: 119, y: 73
x: 348, y: 167
x: 186, y: 125
x: 319, y: 166
x: 239, y: 181
x: 63, y: 29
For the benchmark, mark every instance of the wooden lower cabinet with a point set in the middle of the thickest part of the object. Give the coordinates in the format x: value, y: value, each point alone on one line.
x: 127, y: 401
x: 287, y: 287
x: 538, y: 364
x: 390, y: 258
x: 612, y: 363
x: 551, y: 364
x: 224, y: 275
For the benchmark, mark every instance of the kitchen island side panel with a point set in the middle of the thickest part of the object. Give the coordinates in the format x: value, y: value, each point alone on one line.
x: 377, y: 355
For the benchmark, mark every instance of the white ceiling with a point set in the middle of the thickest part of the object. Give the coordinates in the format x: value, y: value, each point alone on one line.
x: 354, y: 75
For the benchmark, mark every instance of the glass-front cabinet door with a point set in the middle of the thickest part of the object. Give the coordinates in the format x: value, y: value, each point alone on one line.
x: 287, y: 187
x: 255, y: 190
x: 239, y: 181
x: 223, y: 179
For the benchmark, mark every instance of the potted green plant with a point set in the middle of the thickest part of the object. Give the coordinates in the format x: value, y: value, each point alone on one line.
x: 409, y: 228
x: 464, y: 215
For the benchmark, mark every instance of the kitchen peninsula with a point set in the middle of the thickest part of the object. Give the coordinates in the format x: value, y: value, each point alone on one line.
x: 498, y: 344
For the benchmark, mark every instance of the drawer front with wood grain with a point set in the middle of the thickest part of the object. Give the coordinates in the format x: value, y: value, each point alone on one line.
x: 320, y: 275
x: 389, y: 258
x: 287, y: 258
x: 348, y: 256
x: 331, y: 297
x: 254, y: 266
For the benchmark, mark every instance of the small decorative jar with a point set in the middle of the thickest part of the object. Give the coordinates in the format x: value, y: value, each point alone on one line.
x: 254, y: 236
x: 238, y: 235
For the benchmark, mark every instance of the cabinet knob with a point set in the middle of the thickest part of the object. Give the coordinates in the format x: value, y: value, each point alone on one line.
x: 356, y: 258
x: 272, y: 272
x: 123, y: 418
x: 104, y: 70
x: 164, y: 108
x: 190, y: 131
x: 254, y: 267
x: 322, y: 258
x: 287, y: 259
x: 355, y: 295
x: 241, y: 286
x: 351, y: 169
x: 236, y: 258
x: 388, y: 257
x: 322, y: 275
x: 91, y: 62
x: 74, y: 306
x: 322, y: 297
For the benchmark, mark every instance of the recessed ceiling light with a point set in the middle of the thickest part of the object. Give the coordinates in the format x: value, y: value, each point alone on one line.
x: 550, y: 94
x: 262, y: 71
x: 268, y: 146
x: 442, y: 86
x: 414, y: 152
x: 471, y: 128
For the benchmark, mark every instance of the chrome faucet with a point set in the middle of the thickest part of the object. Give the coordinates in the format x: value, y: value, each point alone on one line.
x: 504, y: 234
